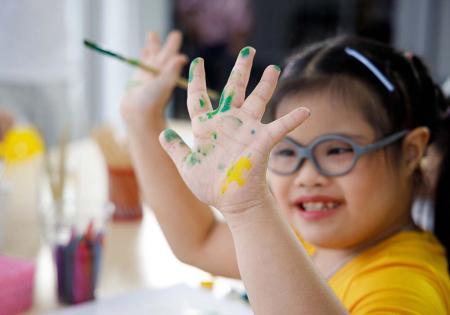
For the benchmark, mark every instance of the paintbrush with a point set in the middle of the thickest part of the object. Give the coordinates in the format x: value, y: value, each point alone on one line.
x: 182, y: 82
x: 115, y: 152
x: 57, y: 177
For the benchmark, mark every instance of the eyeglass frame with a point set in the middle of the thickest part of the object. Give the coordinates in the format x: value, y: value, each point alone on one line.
x: 306, y: 153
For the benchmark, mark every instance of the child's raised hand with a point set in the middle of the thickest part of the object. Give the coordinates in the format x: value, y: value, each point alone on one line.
x: 226, y: 168
x: 147, y: 94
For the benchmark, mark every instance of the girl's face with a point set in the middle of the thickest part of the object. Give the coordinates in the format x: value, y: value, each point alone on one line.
x: 348, y: 210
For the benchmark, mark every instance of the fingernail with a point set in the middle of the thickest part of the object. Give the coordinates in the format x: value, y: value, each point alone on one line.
x: 306, y: 110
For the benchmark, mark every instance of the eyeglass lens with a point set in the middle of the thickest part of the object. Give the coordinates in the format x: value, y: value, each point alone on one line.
x: 331, y: 156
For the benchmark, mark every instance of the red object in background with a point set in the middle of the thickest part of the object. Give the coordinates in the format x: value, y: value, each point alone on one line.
x: 16, y: 285
x: 124, y: 194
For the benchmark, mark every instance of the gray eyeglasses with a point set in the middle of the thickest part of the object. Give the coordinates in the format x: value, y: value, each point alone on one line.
x: 332, y: 155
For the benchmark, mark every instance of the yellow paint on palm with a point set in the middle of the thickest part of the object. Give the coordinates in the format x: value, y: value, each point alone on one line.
x: 235, y: 173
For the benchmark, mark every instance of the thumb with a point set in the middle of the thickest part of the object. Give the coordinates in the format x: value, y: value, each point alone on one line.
x: 174, y: 146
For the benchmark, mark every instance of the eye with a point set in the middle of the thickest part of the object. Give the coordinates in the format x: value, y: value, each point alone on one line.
x: 339, y: 150
x: 285, y: 152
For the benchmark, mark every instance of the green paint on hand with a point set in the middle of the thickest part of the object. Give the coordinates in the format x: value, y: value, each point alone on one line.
x: 192, y: 159
x: 202, y: 118
x: 214, y: 135
x: 227, y: 103
x: 192, y: 68
x: 170, y: 135
x: 202, y: 102
x: 224, y: 104
x: 277, y: 68
x: 253, y: 131
x: 221, y: 98
x: 245, y: 52
x: 210, y: 115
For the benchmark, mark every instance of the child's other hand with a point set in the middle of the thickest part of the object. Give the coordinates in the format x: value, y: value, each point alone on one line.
x: 227, y: 166
x: 147, y: 94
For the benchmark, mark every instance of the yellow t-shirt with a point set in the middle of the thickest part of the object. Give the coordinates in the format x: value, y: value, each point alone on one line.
x: 405, y: 274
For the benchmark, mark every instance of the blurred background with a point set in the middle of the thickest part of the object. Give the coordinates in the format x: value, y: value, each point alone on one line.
x: 49, y: 79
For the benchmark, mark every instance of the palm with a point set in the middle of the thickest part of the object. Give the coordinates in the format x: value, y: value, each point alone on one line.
x: 227, y: 166
x: 228, y: 159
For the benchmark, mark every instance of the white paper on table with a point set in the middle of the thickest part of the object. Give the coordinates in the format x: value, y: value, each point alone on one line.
x: 176, y: 300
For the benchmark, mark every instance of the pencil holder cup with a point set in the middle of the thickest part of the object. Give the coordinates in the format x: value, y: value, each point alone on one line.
x: 75, y: 233
x: 124, y: 194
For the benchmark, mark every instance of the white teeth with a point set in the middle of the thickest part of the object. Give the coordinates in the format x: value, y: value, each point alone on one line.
x: 319, y: 206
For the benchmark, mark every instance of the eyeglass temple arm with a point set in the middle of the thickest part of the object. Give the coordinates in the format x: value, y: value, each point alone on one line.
x: 383, y: 142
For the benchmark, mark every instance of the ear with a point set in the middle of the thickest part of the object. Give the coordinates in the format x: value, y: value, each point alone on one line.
x: 414, y: 147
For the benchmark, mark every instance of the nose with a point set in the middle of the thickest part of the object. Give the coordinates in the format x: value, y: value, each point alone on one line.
x: 308, y: 176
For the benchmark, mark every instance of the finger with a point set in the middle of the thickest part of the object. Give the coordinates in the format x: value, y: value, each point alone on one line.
x: 198, y: 100
x: 234, y: 92
x: 149, y: 52
x: 152, y: 45
x: 279, y: 128
x: 256, y: 102
x: 170, y: 48
x: 175, y: 65
x: 171, y: 71
x: 175, y: 147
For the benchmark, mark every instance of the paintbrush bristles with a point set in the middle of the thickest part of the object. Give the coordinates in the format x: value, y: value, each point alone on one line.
x: 114, y: 151
x: 182, y: 82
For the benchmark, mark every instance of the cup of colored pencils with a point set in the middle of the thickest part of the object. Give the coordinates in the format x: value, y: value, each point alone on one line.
x: 77, y: 241
x: 123, y: 187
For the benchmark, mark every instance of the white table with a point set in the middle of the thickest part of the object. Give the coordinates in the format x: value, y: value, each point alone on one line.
x: 135, y: 254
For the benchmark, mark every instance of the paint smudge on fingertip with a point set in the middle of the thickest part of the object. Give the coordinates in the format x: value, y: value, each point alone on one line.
x: 277, y: 68
x: 235, y: 173
x: 170, y: 135
x: 245, y: 52
x: 192, y: 68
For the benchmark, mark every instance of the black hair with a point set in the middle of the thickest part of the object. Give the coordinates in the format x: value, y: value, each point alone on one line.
x: 405, y: 95
x: 441, y: 198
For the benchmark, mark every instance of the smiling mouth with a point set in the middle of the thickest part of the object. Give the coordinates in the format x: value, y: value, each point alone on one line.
x: 317, y: 206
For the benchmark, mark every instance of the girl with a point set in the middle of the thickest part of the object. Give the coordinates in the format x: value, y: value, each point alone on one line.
x: 342, y: 179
